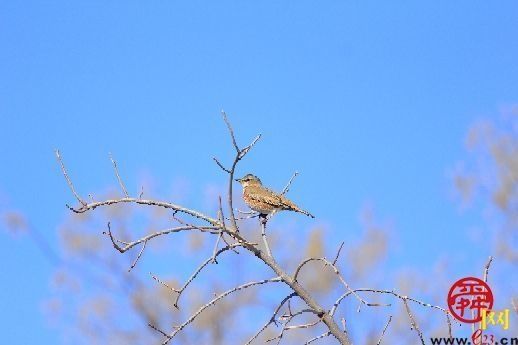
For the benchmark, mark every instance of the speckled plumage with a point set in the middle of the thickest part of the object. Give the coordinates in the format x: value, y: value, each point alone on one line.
x: 264, y: 200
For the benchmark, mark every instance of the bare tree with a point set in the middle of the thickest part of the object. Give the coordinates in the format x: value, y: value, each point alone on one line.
x: 226, y: 228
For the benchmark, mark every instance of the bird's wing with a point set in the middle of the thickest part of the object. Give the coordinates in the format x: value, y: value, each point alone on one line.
x: 271, y: 198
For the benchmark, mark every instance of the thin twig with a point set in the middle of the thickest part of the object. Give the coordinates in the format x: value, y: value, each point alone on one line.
x: 272, y: 319
x: 247, y: 148
x: 138, y: 256
x: 323, y: 335
x: 250, y: 213
x: 129, y: 245
x: 255, y: 215
x: 384, y: 330
x: 327, y: 263
x: 214, y: 300
x: 214, y: 261
x: 222, y: 229
x: 413, y: 322
x: 93, y: 205
x: 290, y: 328
x: 163, y: 283
x: 287, y: 187
x: 240, y: 154
x: 157, y: 329
x: 486, y: 274
x: 229, y: 126
x: 198, y: 270
x: 222, y: 221
x: 486, y: 268
x: 114, y: 242
x: 69, y: 181
x: 338, y: 253
x: 221, y: 165
x: 388, y: 292
x: 448, y: 321
x: 263, y: 235
x: 124, y: 190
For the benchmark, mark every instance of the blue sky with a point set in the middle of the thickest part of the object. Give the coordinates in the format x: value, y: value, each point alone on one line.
x: 370, y: 102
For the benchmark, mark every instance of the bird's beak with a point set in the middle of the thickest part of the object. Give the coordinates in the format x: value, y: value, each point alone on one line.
x: 237, y: 180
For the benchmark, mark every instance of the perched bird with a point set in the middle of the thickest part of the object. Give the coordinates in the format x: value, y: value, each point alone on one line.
x: 263, y: 200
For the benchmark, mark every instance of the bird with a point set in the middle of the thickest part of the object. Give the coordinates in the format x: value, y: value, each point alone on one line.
x: 264, y: 200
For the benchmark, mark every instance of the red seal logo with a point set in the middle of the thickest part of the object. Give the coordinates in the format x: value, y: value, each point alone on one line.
x: 467, y: 297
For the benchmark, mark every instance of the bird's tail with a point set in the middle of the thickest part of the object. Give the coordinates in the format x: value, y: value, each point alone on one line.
x: 299, y: 210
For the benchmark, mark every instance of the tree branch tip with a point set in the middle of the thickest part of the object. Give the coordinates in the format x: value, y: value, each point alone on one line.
x: 221, y: 165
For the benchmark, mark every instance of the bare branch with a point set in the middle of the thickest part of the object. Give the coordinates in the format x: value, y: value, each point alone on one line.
x: 93, y: 205
x: 339, y: 275
x: 138, y: 256
x: 384, y: 330
x: 413, y: 322
x: 486, y: 274
x: 221, y: 165
x: 323, y: 335
x: 448, y: 321
x: 263, y: 235
x: 214, y: 301
x: 229, y: 126
x: 163, y: 283
x: 198, y: 270
x: 287, y: 187
x: 116, y: 170
x: 222, y: 229
x: 250, y: 213
x: 286, y: 327
x: 255, y: 215
x: 338, y: 253
x: 114, y: 242
x: 69, y: 181
x: 129, y: 245
x: 272, y: 319
x: 486, y: 268
x: 158, y: 330
x: 221, y: 214
x: 222, y: 221
x: 388, y: 292
x: 214, y: 261
x: 247, y: 148
x: 240, y: 154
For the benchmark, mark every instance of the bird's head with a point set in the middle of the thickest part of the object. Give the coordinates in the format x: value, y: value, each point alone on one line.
x: 249, y: 180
